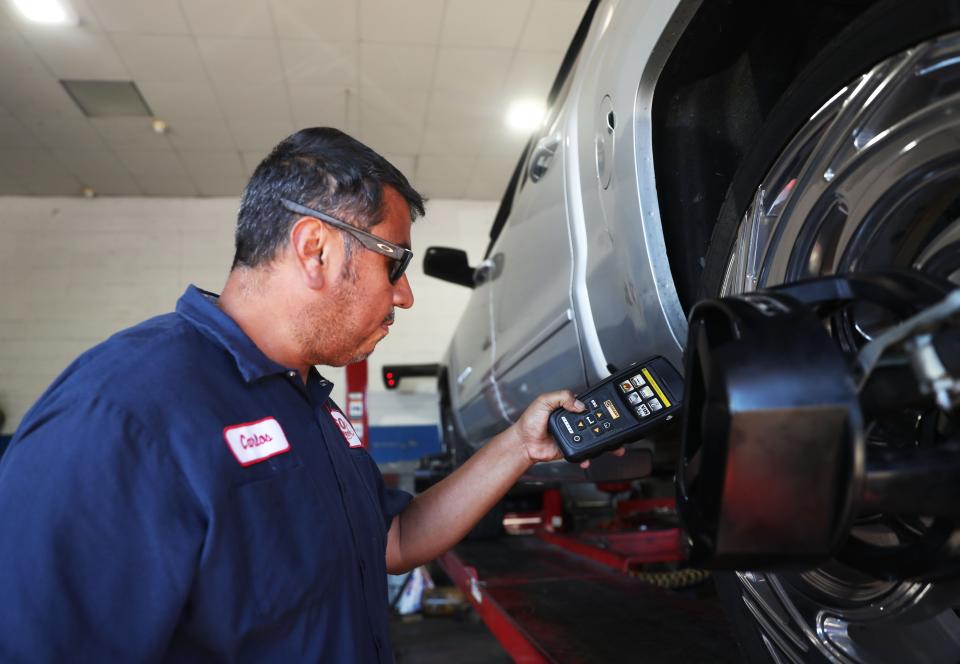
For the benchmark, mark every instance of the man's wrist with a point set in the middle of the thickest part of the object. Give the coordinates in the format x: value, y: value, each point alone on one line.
x: 512, y: 443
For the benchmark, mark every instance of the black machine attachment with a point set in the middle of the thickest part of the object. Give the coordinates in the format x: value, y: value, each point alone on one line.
x: 622, y: 408
x: 815, y: 408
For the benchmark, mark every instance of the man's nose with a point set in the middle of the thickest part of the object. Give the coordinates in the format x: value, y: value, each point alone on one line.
x: 402, y: 293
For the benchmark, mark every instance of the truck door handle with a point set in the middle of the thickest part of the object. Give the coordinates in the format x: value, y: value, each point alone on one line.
x: 482, y: 272
x: 542, y: 156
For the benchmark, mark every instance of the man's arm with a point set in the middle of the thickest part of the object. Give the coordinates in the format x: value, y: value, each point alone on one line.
x: 440, y: 517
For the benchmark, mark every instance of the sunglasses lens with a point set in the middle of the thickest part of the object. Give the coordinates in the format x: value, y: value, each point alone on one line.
x: 400, y: 266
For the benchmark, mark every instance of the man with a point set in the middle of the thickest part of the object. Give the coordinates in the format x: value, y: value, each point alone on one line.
x: 187, y: 491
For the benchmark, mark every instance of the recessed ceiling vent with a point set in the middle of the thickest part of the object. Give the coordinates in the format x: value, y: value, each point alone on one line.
x: 107, y: 99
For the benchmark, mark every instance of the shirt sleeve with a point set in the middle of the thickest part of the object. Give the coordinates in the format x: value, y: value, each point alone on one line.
x: 99, y: 538
x: 392, y: 501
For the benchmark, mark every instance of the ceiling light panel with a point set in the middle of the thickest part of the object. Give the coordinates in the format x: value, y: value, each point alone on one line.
x: 103, y: 99
x: 48, y: 12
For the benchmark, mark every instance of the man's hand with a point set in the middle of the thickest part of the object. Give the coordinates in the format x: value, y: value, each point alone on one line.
x: 438, y: 518
x: 534, y: 435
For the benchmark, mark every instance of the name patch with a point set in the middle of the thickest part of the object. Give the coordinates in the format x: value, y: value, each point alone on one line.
x: 253, y: 442
x: 353, y: 440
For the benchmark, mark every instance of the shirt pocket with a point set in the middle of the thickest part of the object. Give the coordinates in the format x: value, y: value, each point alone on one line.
x: 294, y: 548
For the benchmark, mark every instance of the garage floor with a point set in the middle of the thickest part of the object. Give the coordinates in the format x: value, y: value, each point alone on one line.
x: 445, y: 639
x: 572, y: 610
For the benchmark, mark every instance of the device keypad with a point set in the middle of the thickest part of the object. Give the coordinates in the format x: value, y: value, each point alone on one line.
x: 638, y: 395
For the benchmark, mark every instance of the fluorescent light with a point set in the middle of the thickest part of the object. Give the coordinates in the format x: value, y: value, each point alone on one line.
x: 46, y: 11
x: 525, y: 114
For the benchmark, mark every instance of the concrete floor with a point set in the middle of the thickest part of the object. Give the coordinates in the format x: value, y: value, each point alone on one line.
x: 441, y: 640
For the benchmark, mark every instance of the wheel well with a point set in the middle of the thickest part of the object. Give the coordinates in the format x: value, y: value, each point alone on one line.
x: 727, y: 71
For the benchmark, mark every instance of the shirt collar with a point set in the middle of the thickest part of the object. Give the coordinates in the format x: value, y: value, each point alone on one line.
x: 200, y: 309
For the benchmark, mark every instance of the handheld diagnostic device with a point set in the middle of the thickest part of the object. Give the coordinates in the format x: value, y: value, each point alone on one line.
x: 623, y: 408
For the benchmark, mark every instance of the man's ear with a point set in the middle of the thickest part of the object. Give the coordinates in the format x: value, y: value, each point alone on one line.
x: 312, y: 247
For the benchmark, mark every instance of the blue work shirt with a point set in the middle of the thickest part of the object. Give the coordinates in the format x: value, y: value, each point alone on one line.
x: 177, y: 496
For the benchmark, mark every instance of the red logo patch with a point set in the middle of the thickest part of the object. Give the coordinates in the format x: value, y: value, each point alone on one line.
x: 349, y: 434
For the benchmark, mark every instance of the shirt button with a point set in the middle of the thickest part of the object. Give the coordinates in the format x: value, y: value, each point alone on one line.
x: 292, y: 374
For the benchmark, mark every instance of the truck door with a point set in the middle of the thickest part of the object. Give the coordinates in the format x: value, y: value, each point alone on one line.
x: 536, y: 347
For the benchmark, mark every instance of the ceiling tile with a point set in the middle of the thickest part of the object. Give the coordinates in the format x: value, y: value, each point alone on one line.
x: 6, y: 21
x: 99, y: 169
x: 160, y: 57
x: 252, y: 158
x: 464, y: 140
x: 221, y: 163
x: 479, y: 189
x: 18, y: 57
x: 396, y: 107
x: 263, y: 100
x: 13, y: 134
x: 496, y: 23
x: 406, y: 164
x: 229, y: 18
x: 149, y: 17
x: 322, y: 63
x: 214, y: 184
x: 503, y: 141
x: 334, y: 20
x: 434, y: 167
x: 65, y: 133
x: 257, y: 135
x: 407, y: 22
x: 39, y: 96
x: 164, y: 186
x: 552, y: 24
x: 130, y: 134
x: 480, y: 71
x: 10, y: 186
x: 78, y: 53
x: 38, y: 172
x: 173, y: 100
x: 230, y: 59
x: 317, y: 107
x: 191, y: 134
x: 448, y: 109
x: 397, y: 65
x: 152, y: 164
x: 392, y: 138
x: 495, y: 169
x: 439, y: 189
x: 532, y: 74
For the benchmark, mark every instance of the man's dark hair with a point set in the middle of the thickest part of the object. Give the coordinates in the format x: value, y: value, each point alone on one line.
x: 322, y: 168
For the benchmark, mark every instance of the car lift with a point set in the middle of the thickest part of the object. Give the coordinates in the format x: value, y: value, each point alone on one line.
x: 551, y: 597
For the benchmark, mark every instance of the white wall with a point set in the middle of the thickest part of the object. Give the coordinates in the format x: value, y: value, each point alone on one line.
x: 73, y: 271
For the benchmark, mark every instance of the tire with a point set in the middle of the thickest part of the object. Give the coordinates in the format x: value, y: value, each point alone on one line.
x: 834, y: 185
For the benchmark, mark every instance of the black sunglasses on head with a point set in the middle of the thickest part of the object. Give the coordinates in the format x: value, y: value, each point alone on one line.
x: 400, y: 255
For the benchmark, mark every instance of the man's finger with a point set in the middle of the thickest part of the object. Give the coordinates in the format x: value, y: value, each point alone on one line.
x: 585, y: 464
x: 561, y: 399
x: 620, y: 451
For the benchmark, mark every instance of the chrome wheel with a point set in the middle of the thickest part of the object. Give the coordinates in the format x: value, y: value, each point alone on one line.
x: 872, y: 181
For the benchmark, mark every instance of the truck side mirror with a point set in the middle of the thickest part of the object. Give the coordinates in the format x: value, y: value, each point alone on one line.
x: 448, y: 264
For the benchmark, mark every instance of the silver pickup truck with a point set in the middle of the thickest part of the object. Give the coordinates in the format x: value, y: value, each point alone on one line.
x: 702, y: 149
